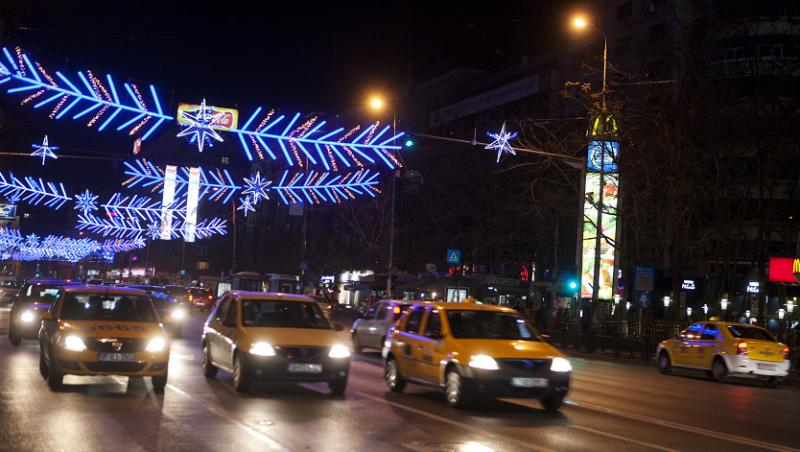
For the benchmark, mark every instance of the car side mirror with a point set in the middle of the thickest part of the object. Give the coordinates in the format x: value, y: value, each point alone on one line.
x: 46, y: 316
x: 338, y: 327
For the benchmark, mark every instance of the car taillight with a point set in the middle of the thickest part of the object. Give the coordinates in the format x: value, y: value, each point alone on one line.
x: 397, y: 310
x: 741, y: 348
x: 210, y: 297
x: 190, y: 298
x: 786, y: 351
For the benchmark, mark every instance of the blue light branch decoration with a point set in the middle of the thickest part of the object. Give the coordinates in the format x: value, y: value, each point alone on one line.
x: 320, y: 187
x: 139, y: 208
x: 44, y: 150
x: 33, y: 191
x: 88, y: 96
x: 500, y: 143
x: 132, y: 228
x: 30, y: 248
x: 215, y: 184
x: 309, y: 142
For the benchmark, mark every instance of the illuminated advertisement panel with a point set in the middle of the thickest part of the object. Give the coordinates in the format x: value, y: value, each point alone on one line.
x: 170, y: 179
x: 224, y: 118
x: 610, y: 196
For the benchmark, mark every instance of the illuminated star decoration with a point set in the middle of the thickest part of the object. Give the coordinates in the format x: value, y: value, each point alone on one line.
x: 200, y: 129
x: 86, y: 202
x: 245, y: 205
x: 500, y: 142
x: 257, y: 187
x: 154, y: 230
x: 44, y: 150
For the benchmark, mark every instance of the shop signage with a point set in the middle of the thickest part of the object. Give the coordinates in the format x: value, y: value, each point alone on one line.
x: 784, y: 269
x: 688, y: 284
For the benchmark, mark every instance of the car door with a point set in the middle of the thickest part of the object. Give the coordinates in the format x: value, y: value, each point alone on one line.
x: 377, y: 327
x: 683, y: 348
x: 228, y: 339
x: 431, y: 347
x: 214, y: 332
x: 410, y: 343
x: 707, y: 346
x: 363, y: 324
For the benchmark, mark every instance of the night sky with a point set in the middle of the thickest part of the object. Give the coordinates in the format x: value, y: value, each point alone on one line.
x: 305, y: 57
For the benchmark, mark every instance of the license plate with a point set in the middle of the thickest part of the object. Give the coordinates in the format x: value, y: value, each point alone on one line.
x: 115, y: 357
x: 529, y: 382
x: 305, y: 368
x: 766, y: 366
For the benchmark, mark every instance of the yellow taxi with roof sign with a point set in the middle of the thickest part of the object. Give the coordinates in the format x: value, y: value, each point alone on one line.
x: 472, y: 350
x: 101, y: 330
x: 726, y: 350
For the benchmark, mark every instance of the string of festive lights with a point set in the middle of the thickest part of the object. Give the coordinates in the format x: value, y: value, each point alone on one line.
x: 33, y: 191
x: 51, y: 247
x: 215, y: 184
x: 137, y: 207
x: 133, y: 228
x: 319, y: 187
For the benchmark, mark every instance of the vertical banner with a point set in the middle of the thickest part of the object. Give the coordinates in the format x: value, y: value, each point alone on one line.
x: 191, y: 204
x: 170, y: 175
x: 601, y: 189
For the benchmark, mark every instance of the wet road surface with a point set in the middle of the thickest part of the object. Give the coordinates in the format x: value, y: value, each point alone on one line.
x: 612, y: 406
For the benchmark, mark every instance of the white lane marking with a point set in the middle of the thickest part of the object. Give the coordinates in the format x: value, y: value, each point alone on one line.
x: 271, y: 443
x: 686, y: 428
x: 182, y: 356
x: 622, y: 438
x: 462, y: 425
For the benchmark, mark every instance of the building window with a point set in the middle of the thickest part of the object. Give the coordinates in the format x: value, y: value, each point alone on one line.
x: 202, y: 265
x: 625, y: 10
x: 225, y: 160
x: 657, y: 32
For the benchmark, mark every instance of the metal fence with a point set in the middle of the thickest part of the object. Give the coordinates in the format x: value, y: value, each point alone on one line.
x: 635, y: 338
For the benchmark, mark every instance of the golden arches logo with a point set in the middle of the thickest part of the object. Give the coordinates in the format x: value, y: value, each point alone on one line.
x: 796, y: 266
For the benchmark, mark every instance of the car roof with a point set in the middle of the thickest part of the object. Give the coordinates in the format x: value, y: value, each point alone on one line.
x: 406, y: 301
x: 143, y: 287
x: 271, y: 296
x: 453, y: 306
x: 104, y: 289
x: 59, y: 282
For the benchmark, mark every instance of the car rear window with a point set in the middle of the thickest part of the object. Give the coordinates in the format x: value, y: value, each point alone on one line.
x: 749, y: 332
x: 469, y: 324
x: 100, y: 306
x: 283, y: 314
x: 40, y: 290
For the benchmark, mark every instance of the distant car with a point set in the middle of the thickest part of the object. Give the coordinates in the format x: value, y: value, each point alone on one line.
x: 201, y: 297
x: 178, y: 293
x: 726, y: 350
x: 275, y: 337
x: 172, y: 313
x: 369, y: 330
x: 471, y: 351
x: 9, y: 288
x: 33, y: 298
x: 100, y: 330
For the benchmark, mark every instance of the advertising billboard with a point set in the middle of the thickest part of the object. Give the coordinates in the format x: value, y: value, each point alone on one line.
x: 8, y: 211
x: 602, y: 157
x: 224, y: 118
x: 784, y: 270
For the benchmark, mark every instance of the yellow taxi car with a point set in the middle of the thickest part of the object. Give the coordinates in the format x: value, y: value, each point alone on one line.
x: 275, y: 337
x: 101, y: 330
x: 471, y: 350
x: 724, y: 350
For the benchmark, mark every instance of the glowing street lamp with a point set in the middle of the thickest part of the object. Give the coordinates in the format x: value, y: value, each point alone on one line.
x: 581, y: 23
x: 747, y: 313
x: 667, y: 301
x: 790, y: 305
x: 724, y: 304
x: 376, y: 103
x: 688, y: 312
x: 781, y: 313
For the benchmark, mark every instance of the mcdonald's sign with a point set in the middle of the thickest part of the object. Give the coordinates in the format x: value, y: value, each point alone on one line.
x: 784, y: 270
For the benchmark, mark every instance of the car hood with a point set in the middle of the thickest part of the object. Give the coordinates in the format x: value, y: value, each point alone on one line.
x: 106, y: 328
x: 503, y: 348
x: 293, y: 336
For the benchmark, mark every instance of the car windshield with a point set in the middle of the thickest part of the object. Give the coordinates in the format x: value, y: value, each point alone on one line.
x: 749, y: 332
x: 42, y: 290
x: 283, y: 314
x: 469, y: 324
x: 200, y: 292
x: 161, y: 299
x: 100, y: 306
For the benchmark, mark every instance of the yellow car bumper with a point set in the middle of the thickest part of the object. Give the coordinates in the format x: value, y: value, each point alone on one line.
x: 142, y: 364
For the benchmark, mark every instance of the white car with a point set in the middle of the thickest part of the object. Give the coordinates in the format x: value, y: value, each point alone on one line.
x: 369, y: 330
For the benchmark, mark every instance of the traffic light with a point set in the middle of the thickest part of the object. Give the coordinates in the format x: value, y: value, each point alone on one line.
x: 573, y: 285
x: 409, y: 143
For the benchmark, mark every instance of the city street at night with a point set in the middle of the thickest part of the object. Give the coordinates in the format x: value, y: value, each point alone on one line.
x: 611, y: 406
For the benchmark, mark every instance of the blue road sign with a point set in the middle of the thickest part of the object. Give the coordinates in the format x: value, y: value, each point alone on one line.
x: 453, y: 256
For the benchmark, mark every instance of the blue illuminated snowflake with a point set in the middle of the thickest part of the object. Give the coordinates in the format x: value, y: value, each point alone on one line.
x: 500, y: 143
x: 31, y: 240
x: 257, y: 187
x: 86, y: 202
x: 200, y: 129
x: 44, y: 150
x: 245, y: 205
x: 154, y: 230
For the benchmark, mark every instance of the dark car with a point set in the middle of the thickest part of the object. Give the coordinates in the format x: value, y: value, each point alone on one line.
x: 201, y: 297
x: 9, y: 289
x: 33, y: 298
x: 172, y: 312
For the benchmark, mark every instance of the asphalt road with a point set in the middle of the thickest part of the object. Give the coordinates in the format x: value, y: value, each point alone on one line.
x: 612, y: 406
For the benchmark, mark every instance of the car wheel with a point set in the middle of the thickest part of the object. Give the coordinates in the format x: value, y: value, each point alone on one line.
x: 337, y: 386
x: 392, y: 376
x: 241, y: 380
x: 357, y: 347
x: 54, y: 378
x: 719, y: 370
x: 14, y: 338
x: 42, y: 365
x: 454, y: 390
x: 209, y: 369
x: 771, y: 382
x: 159, y: 383
x: 552, y: 404
x: 664, y: 363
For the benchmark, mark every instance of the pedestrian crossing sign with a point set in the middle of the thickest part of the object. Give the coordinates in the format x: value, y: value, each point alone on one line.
x: 453, y: 256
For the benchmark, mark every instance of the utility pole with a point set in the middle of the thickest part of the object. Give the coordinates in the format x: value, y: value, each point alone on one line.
x: 391, y: 220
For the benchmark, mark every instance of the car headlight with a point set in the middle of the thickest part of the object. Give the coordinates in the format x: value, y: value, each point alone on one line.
x: 484, y: 362
x: 27, y: 316
x: 339, y: 351
x: 262, y: 349
x: 74, y: 343
x: 156, y: 345
x: 179, y: 314
x: 560, y: 365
